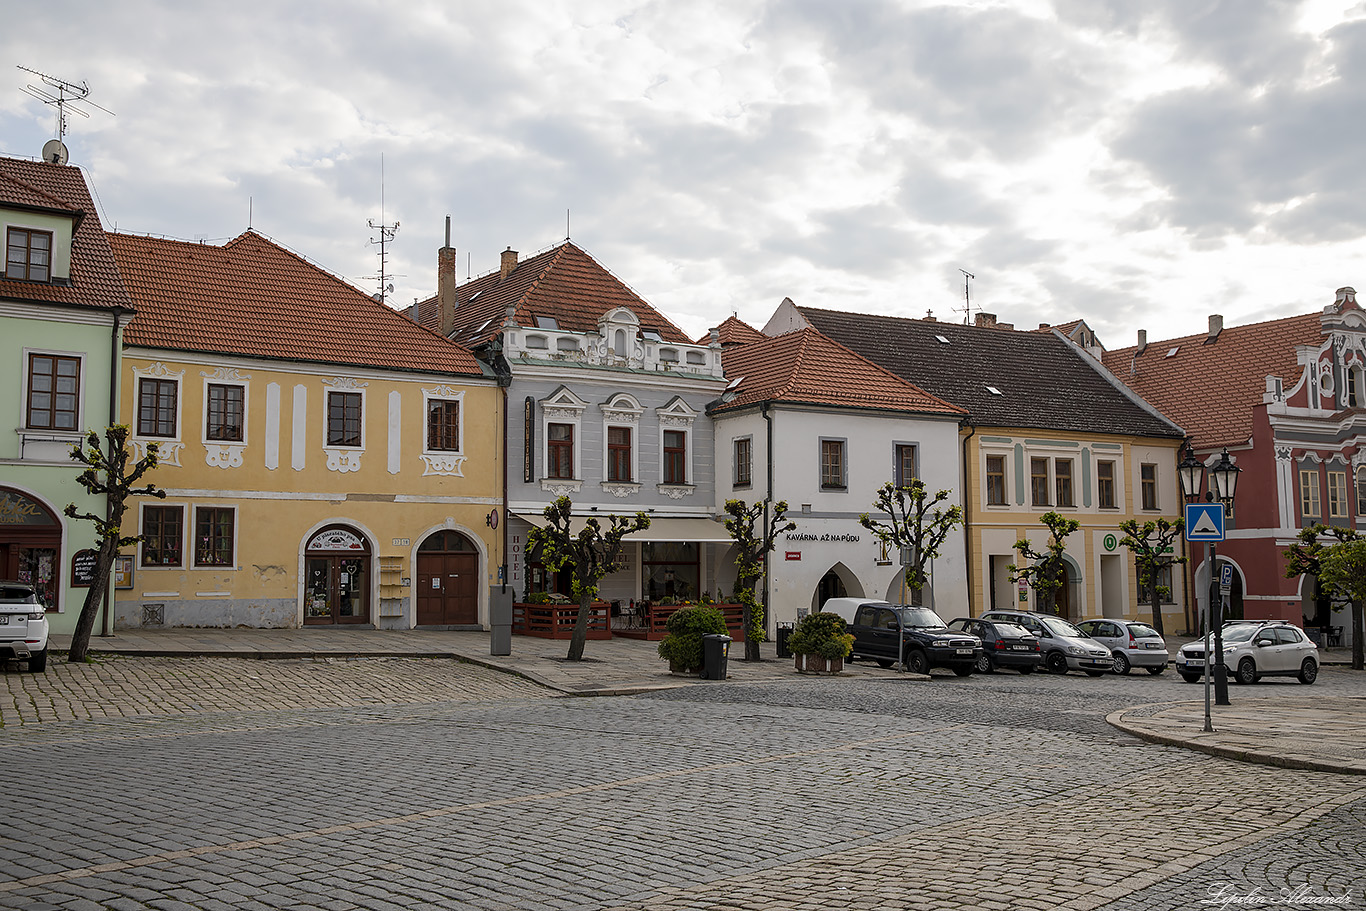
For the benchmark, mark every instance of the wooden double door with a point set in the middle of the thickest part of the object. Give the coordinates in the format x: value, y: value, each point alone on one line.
x: 447, y: 581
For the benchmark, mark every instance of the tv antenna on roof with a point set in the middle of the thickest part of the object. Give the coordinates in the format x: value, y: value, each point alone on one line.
x: 386, y: 235
x: 967, y: 296
x: 68, y: 96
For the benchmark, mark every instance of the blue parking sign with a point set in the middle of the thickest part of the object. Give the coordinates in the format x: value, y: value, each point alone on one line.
x: 1204, y: 521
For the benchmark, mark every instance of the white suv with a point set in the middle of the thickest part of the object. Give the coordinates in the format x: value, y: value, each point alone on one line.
x: 23, y: 625
x: 1256, y: 649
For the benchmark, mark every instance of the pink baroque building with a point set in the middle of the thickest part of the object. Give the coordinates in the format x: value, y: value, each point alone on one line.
x: 1287, y: 399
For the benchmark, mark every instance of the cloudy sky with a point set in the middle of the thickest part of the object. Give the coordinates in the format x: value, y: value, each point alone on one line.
x: 1138, y: 163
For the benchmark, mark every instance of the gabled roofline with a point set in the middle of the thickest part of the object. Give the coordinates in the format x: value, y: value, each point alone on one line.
x: 1110, y: 378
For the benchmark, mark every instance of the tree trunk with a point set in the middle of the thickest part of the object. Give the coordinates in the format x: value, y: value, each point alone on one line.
x: 580, y: 635
x: 94, y: 597
x: 1157, y: 608
x: 753, y: 610
x: 1357, y: 644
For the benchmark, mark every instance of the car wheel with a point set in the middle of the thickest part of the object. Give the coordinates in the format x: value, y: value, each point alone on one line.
x: 1027, y: 669
x: 1190, y: 678
x: 1309, y: 671
x: 37, y: 662
x: 917, y: 662
x: 963, y: 671
x: 1247, y: 671
x: 1095, y: 673
x: 1121, y: 663
x: 1157, y: 670
x: 885, y: 662
x: 984, y: 665
x: 1056, y: 662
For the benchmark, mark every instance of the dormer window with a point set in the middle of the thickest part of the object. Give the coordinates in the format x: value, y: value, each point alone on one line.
x: 547, y: 322
x: 28, y: 255
x: 651, y: 335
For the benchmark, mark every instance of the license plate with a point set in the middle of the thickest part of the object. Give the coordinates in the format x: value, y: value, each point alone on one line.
x: 1019, y: 648
x: 965, y: 651
x: 1195, y: 662
x: 1152, y: 645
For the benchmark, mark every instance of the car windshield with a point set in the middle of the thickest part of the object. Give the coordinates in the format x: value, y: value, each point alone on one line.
x: 1143, y: 631
x: 1061, y: 628
x: 1011, y: 630
x: 1240, y: 633
x: 921, y: 618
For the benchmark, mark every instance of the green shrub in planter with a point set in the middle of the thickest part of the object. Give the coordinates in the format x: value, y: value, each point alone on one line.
x: 821, y: 634
x: 682, y: 647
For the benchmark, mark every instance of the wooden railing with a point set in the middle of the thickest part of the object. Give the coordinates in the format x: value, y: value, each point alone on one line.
x: 657, y: 619
x: 556, y: 621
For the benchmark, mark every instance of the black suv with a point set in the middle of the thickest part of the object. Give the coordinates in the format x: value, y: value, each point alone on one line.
x: 925, y: 640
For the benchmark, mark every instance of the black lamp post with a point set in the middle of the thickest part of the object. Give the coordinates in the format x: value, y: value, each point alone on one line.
x: 1223, y: 482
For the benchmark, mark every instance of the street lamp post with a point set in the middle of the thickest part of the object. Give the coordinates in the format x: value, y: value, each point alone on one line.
x: 1192, y: 472
x: 1223, y: 483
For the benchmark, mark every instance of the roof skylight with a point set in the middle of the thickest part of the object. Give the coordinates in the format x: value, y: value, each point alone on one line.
x: 942, y: 340
x: 651, y: 335
x: 994, y: 391
x: 547, y: 322
x: 1171, y: 352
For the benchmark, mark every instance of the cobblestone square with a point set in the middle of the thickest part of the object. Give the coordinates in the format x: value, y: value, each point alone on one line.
x: 415, y: 783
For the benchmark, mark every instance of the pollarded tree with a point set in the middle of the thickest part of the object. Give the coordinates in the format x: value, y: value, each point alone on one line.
x: 1045, y: 570
x: 109, y: 474
x: 1305, y: 558
x: 751, y: 549
x: 1151, y: 544
x: 915, y: 520
x: 589, y: 555
x: 1342, y: 568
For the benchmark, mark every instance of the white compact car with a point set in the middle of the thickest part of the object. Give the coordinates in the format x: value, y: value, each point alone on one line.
x: 1256, y: 649
x: 23, y: 625
x: 1133, y: 644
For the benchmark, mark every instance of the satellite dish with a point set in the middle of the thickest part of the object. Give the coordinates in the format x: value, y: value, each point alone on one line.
x: 54, y: 151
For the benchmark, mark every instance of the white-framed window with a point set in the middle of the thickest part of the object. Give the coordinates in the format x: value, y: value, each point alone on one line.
x: 215, y: 536
x: 344, y: 422
x: 742, y: 461
x: 562, y: 439
x: 157, y: 404
x: 443, y: 431
x: 1337, y: 494
x: 995, y: 476
x: 1105, y: 484
x: 54, y: 392
x: 1147, y: 481
x: 834, y: 464
x: 162, y: 526
x: 676, y: 447
x: 621, y: 443
x: 1361, y: 492
x: 1310, y: 507
x: 905, y: 463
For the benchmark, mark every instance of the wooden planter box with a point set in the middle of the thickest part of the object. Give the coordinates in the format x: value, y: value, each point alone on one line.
x: 556, y: 621
x: 815, y: 664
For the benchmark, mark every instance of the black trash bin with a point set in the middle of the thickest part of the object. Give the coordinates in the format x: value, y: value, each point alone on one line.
x: 784, y: 631
x: 715, y: 649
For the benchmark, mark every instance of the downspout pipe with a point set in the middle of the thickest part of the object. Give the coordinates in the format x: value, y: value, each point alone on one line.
x: 967, y: 514
x: 118, y: 313
x: 768, y: 501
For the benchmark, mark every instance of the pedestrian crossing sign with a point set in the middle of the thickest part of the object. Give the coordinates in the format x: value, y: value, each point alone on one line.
x: 1204, y: 521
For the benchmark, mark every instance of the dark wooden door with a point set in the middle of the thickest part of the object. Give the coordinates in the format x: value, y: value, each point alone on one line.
x: 448, y: 589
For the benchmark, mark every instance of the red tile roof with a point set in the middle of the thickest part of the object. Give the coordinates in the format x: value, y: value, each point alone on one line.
x: 733, y: 331
x: 95, y: 278
x: 253, y: 297
x: 805, y: 367
x: 1211, y: 388
x: 563, y: 283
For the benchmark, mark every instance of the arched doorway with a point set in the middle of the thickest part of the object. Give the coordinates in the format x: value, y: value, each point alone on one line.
x: 838, y: 582
x: 447, y: 581
x: 30, y: 544
x: 336, y: 577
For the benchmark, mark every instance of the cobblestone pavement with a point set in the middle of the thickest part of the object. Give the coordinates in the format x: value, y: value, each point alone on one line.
x: 408, y: 783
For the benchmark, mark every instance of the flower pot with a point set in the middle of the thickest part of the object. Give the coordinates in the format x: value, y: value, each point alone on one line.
x: 815, y: 664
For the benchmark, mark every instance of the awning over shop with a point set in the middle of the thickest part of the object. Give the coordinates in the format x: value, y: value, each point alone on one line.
x: 668, y: 529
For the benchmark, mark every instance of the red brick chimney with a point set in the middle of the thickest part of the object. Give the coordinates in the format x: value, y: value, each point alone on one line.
x: 985, y: 320
x: 509, y: 263
x: 446, y: 302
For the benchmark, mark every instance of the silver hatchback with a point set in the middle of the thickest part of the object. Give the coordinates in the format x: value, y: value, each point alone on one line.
x: 1065, y: 648
x: 1133, y: 644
